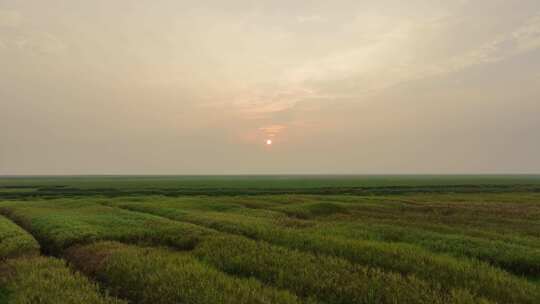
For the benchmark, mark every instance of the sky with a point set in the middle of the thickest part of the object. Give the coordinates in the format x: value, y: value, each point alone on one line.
x: 340, y: 87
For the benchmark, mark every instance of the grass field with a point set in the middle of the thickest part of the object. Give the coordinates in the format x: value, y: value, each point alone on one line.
x: 276, y: 239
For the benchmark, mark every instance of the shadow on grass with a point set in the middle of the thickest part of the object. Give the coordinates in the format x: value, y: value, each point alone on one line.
x: 3, y: 297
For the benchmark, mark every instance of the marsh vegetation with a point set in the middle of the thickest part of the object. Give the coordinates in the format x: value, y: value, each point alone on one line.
x: 121, y: 240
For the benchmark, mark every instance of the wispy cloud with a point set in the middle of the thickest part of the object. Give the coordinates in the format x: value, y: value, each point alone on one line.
x: 32, y: 42
x: 319, y: 78
x: 39, y: 43
x: 309, y: 18
x: 10, y: 18
x: 263, y: 102
x: 273, y: 130
x: 527, y: 37
x: 391, y: 59
x: 29, y: 40
x: 513, y: 43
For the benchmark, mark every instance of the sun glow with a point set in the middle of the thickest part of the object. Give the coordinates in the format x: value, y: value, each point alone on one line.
x: 268, y: 142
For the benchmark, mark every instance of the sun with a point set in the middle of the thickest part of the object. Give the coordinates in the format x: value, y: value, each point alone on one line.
x: 268, y: 142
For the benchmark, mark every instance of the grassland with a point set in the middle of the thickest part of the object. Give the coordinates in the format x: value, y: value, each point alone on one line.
x: 48, y: 280
x: 351, y: 239
x: 15, y: 241
x: 72, y: 186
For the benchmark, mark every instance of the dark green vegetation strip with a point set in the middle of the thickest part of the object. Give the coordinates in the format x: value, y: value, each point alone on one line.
x: 243, y: 182
x: 149, y: 275
x: 14, y: 241
x: 60, y: 224
x: 113, y: 186
x: 47, y: 281
x: 3, y: 296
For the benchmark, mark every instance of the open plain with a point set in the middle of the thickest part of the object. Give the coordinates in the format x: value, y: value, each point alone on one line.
x: 270, y: 239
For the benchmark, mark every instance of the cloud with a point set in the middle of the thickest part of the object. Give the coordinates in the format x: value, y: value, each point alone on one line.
x: 381, y: 52
x: 32, y: 43
x: 521, y: 40
x: 273, y: 130
x: 262, y: 102
x: 40, y: 43
x: 527, y: 37
x: 28, y: 40
x: 10, y: 18
x: 309, y: 19
x: 393, y: 56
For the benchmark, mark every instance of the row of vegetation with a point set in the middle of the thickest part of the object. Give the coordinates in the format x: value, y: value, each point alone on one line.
x: 14, y: 241
x: 520, y: 255
x: 27, y: 278
x: 515, y: 258
x: 402, y: 258
x: 273, y: 249
x: 329, y: 279
x: 64, y: 223
x: 29, y: 188
x: 47, y: 281
x: 153, y: 275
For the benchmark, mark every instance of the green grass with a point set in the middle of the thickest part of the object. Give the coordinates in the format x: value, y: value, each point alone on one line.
x: 434, y: 268
x: 516, y: 258
x: 330, y: 279
x: 3, y: 296
x: 47, y: 281
x: 149, y: 275
x: 265, y: 181
x: 63, y: 223
x: 31, y: 187
x: 14, y: 241
x: 508, y: 250
x: 280, y: 239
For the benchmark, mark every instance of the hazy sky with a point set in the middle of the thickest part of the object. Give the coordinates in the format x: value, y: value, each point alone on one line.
x: 197, y: 87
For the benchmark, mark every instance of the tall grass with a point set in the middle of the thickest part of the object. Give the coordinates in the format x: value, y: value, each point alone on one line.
x: 61, y: 224
x: 154, y: 276
x: 437, y: 269
x: 14, y: 241
x: 3, y: 296
x: 297, y: 248
x: 47, y: 281
x: 518, y: 259
x: 519, y: 254
x: 330, y: 279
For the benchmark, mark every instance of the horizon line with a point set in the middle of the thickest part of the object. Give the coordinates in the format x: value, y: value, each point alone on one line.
x: 267, y: 174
